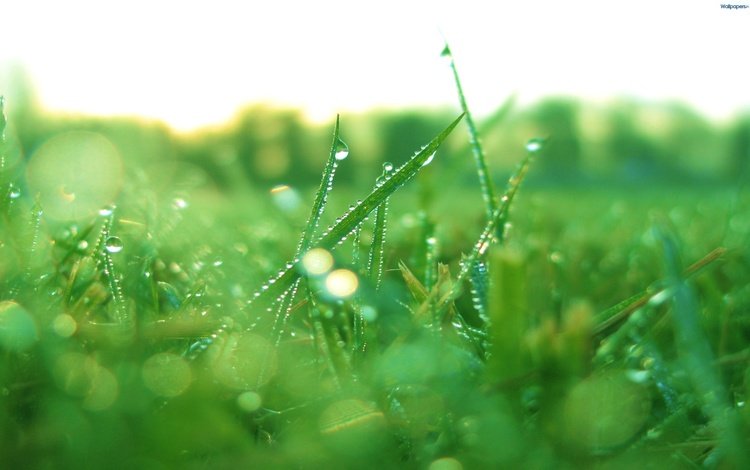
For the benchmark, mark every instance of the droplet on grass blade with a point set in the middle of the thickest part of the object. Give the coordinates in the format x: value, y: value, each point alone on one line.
x: 113, y: 244
x: 534, y: 145
x: 341, y: 150
x: 14, y: 192
x: 429, y: 159
x: 179, y: 203
x: 106, y: 211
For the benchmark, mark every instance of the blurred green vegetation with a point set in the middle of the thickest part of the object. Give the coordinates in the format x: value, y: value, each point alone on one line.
x: 623, y: 142
x: 119, y: 344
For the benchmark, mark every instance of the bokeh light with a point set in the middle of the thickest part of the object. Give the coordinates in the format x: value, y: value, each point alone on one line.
x: 64, y: 325
x: 18, y: 330
x: 243, y: 361
x: 317, y: 261
x: 75, y: 174
x: 166, y: 374
x: 82, y: 376
x: 342, y: 283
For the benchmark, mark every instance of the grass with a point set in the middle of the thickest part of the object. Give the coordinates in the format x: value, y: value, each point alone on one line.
x: 546, y: 327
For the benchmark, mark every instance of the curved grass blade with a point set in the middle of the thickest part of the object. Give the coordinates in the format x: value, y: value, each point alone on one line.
x: 485, y: 183
x: 347, y: 224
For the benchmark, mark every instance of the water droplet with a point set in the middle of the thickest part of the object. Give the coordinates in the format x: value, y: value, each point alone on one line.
x: 369, y: 313
x: 429, y: 159
x: 14, y: 192
x: 107, y: 210
x: 179, y: 203
x: 82, y: 245
x: 534, y: 145
x: 113, y: 245
x: 387, y: 167
x: 340, y: 149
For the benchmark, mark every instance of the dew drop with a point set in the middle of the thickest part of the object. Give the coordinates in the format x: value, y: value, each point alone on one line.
x: 113, y: 245
x: 387, y: 167
x: 107, y: 210
x: 341, y: 150
x: 82, y: 245
x: 429, y: 159
x: 179, y: 203
x: 534, y: 145
x: 14, y: 192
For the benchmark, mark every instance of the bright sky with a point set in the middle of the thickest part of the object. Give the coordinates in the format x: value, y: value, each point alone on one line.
x: 193, y: 63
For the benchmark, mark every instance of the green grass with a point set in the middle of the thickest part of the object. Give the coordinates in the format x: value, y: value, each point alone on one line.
x: 547, y: 327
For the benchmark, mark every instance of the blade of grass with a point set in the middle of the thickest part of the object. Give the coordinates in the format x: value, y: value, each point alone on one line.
x: 492, y: 231
x: 694, y: 348
x: 485, y: 182
x: 347, y: 223
x: 339, y: 151
x: 614, y: 316
x: 375, y: 260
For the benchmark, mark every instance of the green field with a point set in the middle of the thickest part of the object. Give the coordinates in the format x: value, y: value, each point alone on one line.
x: 177, y: 307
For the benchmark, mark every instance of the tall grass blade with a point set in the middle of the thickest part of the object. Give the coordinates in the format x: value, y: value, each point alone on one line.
x: 697, y: 358
x: 3, y: 123
x: 492, y: 231
x: 339, y: 151
x: 105, y: 246
x: 377, y: 249
x: 485, y: 182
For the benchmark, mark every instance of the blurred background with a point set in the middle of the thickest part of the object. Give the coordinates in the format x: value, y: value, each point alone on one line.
x: 246, y: 92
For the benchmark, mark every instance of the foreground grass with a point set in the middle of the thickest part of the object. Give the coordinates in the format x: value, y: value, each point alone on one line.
x: 203, y: 329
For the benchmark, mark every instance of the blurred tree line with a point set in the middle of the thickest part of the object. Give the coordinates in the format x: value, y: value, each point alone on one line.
x: 624, y: 142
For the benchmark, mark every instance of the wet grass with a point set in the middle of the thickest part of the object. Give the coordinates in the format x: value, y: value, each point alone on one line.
x: 529, y: 327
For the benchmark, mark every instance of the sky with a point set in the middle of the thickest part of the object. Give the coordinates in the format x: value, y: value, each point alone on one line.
x: 194, y: 63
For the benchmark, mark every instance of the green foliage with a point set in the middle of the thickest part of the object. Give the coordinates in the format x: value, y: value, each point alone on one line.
x: 194, y: 322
